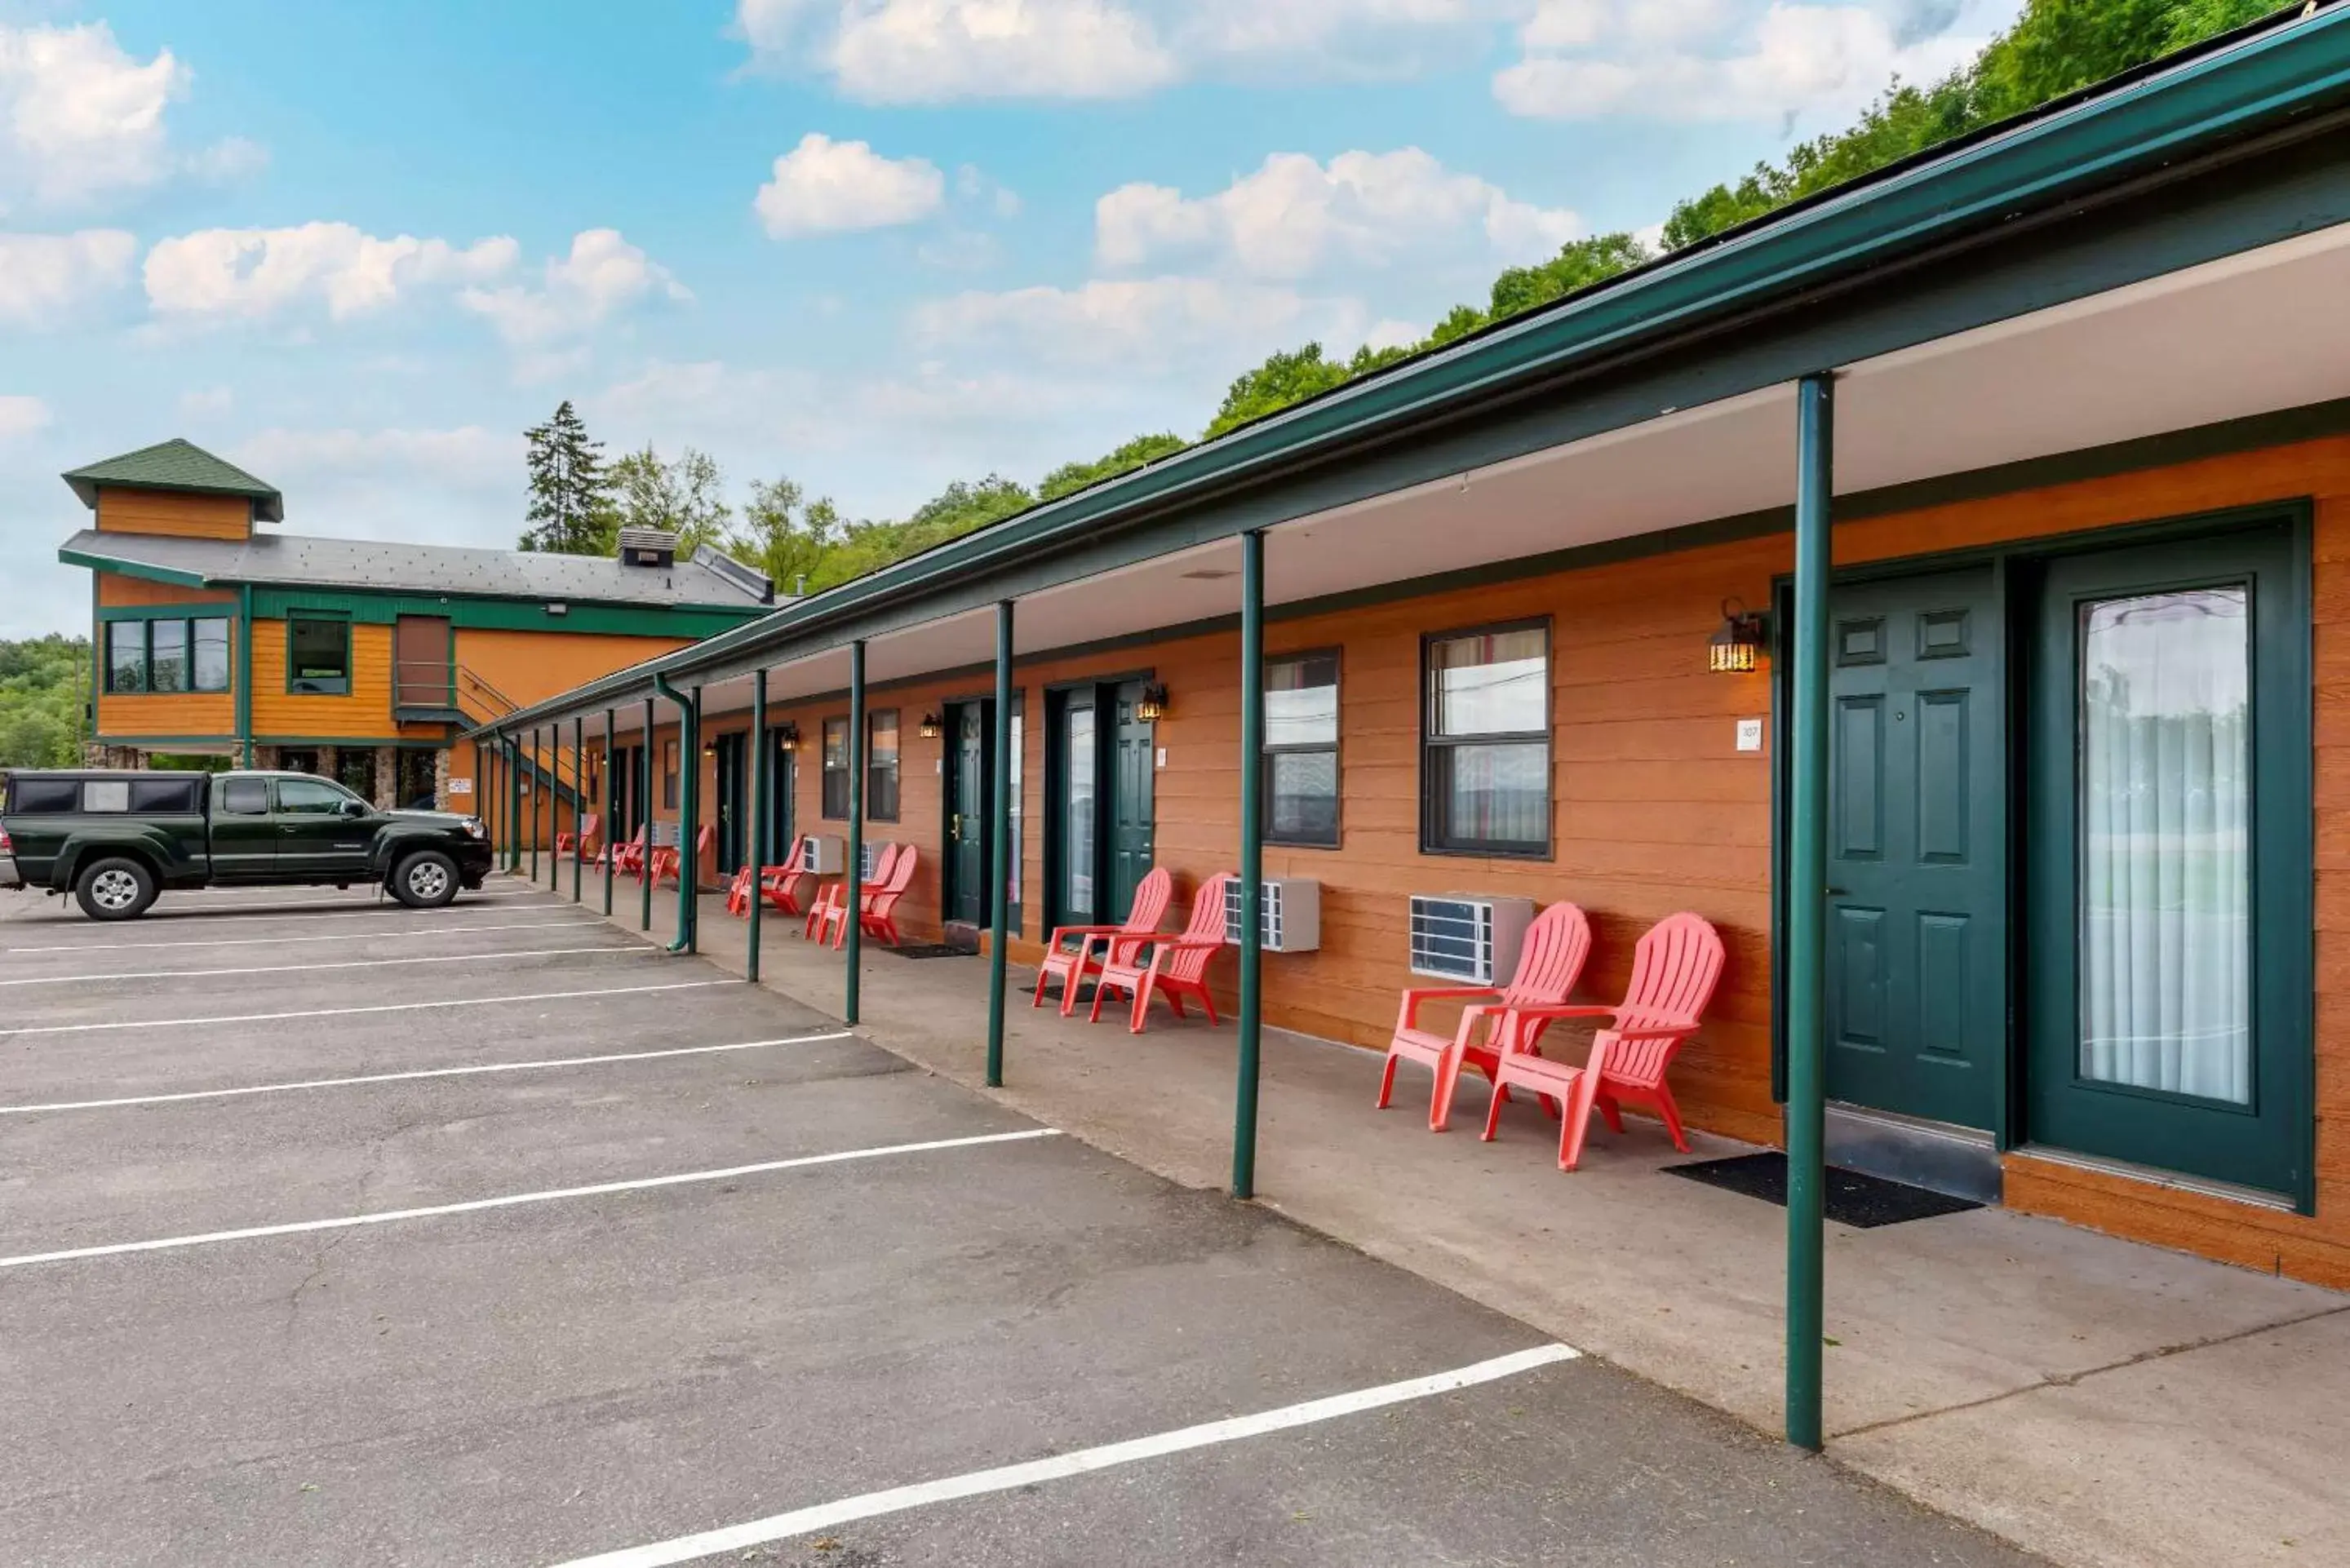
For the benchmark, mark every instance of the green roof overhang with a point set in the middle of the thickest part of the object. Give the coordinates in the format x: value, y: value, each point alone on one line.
x: 2222, y: 151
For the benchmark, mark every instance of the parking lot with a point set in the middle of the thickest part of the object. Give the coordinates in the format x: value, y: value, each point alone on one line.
x: 335, y: 1232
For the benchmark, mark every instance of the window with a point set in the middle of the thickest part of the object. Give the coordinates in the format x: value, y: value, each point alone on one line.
x: 1485, y: 767
x: 1301, y: 750
x: 245, y: 797
x: 310, y: 797
x: 126, y: 656
x: 106, y: 794
x: 835, y: 769
x: 669, y: 775
x: 881, y: 766
x: 317, y: 656
x: 211, y: 640
x: 27, y: 797
x: 165, y: 795
x: 167, y: 656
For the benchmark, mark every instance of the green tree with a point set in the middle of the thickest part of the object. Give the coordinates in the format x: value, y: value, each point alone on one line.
x: 1578, y: 264
x: 1291, y: 376
x: 571, y: 511
x: 685, y: 497
x: 1072, y: 477
x: 44, y: 698
x: 786, y: 535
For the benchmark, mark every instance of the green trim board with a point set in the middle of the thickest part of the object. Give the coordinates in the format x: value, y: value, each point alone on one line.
x: 138, y: 569
x: 200, y: 609
x: 244, y: 670
x: 693, y: 621
x: 396, y: 742
x: 149, y: 742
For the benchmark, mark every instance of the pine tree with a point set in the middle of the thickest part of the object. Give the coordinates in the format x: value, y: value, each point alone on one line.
x: 571, y: 511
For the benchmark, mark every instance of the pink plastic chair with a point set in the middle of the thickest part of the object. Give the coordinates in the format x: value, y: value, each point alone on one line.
x: 1550, y: 960
x: 1074, y: 966
x: 880, y: 914
x: 1178, y: 966
x: 665, y: 862
x: 1674, y: 970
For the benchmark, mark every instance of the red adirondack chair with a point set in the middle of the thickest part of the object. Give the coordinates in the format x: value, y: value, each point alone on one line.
x: 768, y: 880
x: 878, y: 904
x: 1674, y: 970
x: 1178, y: 966
x: 627, y: 857
x: 570, y: 844
x: 665, y: 861
x: 785, y: 885
x: 1550, y: 960
x: 1073, y: 965
x: 827, y: 918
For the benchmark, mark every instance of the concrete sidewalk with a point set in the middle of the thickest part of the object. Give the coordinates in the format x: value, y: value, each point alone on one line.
x: 2103, y: 1403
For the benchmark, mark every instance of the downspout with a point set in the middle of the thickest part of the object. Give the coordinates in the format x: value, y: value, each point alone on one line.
x: 245, y: 672
x: 689, y: 757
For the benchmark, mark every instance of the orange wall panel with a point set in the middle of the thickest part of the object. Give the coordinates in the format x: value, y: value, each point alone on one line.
x: 175, y: 513
x: 364, y: 715
x: 117, y: 591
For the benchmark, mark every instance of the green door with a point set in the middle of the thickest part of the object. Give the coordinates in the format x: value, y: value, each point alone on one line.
x: 1133, y: 774
x: 318, y: 840
x: 732, y: 845
x: 1077, y: 829
x: 244, y: 833
x: 1917, y: 986
x: 782, y: 785
x: 966, y: 804
x: 2168, y: 884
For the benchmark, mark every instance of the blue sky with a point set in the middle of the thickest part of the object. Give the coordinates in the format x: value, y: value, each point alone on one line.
x: 872, y: 244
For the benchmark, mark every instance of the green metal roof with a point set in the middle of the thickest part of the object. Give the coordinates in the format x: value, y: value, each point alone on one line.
x: 176, y: 465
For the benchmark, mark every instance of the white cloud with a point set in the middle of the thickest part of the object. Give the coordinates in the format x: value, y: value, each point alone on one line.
x: 206, y: 402
x: 603, y: 275
x: 1663, y: 59
x: 254, y: 275
x: 81, y: 120
x: 1145, y: 323
x: 1295, y: 217
x: 21, y: 416
x: 44, y: 277
x: 823, y: 186
x: 899, y: 51
x: 454, y: 486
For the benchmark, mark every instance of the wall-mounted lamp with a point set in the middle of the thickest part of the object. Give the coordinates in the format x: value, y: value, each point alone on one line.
x: 1153, y: 706
x: 787, y: 736
x: 933, y: 726
x: 1739, y: 644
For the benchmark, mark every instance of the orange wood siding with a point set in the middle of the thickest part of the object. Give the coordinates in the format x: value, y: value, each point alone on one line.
x: 532, y: 666
x: 1654, y: 808
x: 175, y: 513
x: 180, y: 713
x: 364, y: 715
x: 116, y: 591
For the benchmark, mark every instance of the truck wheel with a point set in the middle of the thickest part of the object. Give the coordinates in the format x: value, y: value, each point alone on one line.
x: 425, y: 880
x: 116, y: 888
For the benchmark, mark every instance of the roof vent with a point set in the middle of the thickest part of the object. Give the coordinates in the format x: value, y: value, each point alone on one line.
x: 655, y: 548
x: 752, y: 583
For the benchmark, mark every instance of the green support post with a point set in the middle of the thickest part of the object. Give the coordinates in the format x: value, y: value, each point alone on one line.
x: 999, y: 858
x: 1807, y: 810
x: 688, y: 770
x: 1252, y: 998
x: 578, y: 806
x: 645, y: 770
x: 855, y: 891
x: 611, y: 850
x: 537, y: 795
x: 762, y: 787
x: 507, y: 759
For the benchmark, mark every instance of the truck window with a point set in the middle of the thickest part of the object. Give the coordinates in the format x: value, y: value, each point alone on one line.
x: 310, y: 797
x: 28, y: 797
x: 106, y: 794
x: 163, y: 794
x: 245, y: 797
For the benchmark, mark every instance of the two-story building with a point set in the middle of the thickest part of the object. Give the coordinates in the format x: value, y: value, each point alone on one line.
x: 215, y: 633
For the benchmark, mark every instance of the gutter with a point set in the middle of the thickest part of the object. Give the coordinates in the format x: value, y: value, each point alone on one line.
x: 2151, y: 127
x: 688, y: 769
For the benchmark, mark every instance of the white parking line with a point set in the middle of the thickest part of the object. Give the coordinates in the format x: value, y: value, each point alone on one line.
x: 340, y: 910
x: 550, y: 1062
x: 349, y: 1012
x: 279, y: 941
x: 475, y: 1206
x: 897, y: 1500
x: 638, y: 949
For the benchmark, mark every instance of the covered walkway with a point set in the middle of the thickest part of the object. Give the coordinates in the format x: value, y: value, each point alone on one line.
x: 2097, y: 1401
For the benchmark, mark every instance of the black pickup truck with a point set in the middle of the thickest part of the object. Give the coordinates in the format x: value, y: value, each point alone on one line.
x: 115, y: 839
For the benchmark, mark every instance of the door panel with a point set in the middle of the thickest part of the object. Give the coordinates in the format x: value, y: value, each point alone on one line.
x: 422, y: 673
x: 733, y: 842
x: 314, y: 839
x: 782, y: 785
x: 2168, y: 887
x: 1079, y: 827
x: 966, y: 797
x: 1132, y: 777
x: 243, y: 831
x: 1917, y: 872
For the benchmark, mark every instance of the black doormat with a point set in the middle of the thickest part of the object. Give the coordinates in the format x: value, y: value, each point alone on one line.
x: 930, y: 950
x: 1852, y: 1198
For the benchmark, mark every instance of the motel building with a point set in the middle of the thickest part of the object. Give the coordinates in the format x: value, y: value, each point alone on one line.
x: 215, y: 634
x: 1942, y: 586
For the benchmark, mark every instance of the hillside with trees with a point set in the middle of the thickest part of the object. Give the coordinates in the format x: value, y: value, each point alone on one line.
x: 44, y: 693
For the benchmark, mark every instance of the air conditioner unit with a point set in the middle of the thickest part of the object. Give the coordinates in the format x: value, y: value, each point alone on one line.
x: 871, y: 857
x: 822, y: 855
x: 1289, y: 916
x: 1467, y: 937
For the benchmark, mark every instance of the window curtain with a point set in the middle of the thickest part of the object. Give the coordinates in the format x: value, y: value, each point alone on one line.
x: 2165, y: 866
